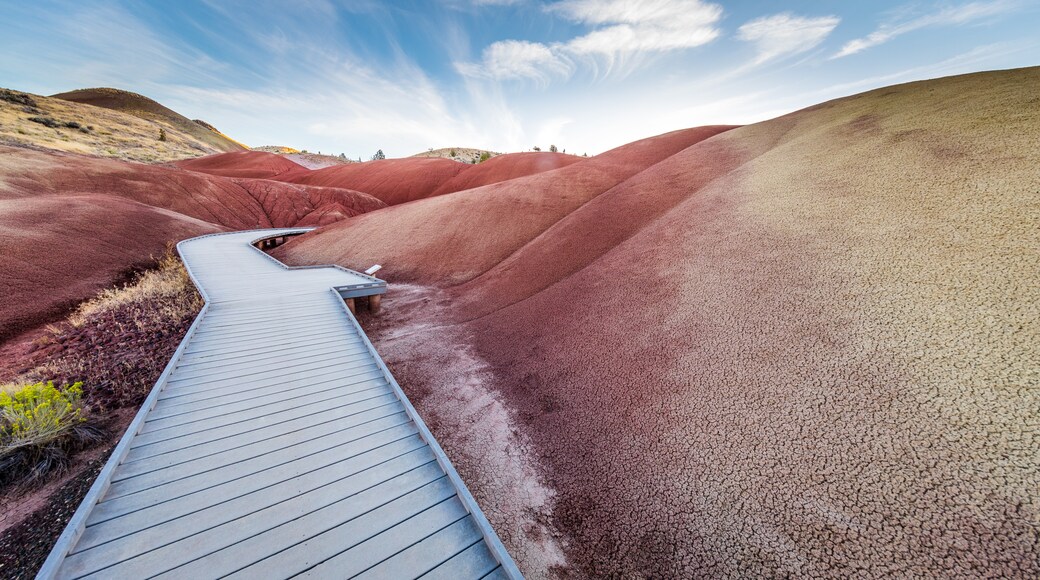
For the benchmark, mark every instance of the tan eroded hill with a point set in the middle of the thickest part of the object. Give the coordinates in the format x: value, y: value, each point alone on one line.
x: 460, y: 154
x: 150, y: 110
x: 28, y: 120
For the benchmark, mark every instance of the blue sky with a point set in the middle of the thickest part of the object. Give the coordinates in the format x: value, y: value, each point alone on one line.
x: 506, y: 75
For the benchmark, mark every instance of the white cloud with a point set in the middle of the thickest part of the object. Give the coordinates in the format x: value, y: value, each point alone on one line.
x: 623, y: 28
x: 518, y: 59
x: 640, y: 25
x: 785, y: 34
x: 950, y: 16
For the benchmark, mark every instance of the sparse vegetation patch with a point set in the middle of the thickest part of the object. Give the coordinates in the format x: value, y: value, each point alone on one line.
x: 46, y: 122
x: 17, y: 98
x: 40, y: 425
x: 120, y: 341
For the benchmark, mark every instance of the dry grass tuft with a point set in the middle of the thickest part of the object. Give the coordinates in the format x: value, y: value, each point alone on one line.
x: 119, y: 342
x: 169, y: 282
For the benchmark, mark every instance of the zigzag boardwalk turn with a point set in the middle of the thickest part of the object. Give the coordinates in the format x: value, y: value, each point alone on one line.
x: 275, y: 444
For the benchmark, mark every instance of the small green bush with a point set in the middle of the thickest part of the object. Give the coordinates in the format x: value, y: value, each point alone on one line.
x: 39, y: 425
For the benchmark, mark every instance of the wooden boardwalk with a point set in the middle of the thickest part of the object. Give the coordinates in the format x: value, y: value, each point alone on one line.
x: 276, y: 444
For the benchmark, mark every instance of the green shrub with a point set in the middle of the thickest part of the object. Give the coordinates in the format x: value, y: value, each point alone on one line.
x: 39, y: 425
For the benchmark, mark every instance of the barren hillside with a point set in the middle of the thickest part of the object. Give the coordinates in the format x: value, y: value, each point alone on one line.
x: 804, y: 347
x: 74, y: 224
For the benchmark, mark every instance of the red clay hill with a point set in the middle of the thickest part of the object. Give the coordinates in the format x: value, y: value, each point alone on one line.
x: 461, y: 235
x: 397, y: 181
x: 254, y: 164
x: 72, y: 224
x: 505, y: 167
x: 797, y: 348
x: 394, y: 181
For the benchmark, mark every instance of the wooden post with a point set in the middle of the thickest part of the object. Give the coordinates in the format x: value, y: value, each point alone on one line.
x: 374, y: 302
x: 351, y: 306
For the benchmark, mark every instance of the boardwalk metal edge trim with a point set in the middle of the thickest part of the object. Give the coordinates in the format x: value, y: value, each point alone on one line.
x: 490, y: 536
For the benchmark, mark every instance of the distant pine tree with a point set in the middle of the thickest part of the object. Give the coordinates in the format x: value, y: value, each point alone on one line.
x: 379, y: 155
x: 553, y: 149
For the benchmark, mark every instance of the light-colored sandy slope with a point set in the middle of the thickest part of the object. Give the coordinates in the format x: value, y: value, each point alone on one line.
x: 818, y: 361
x: 142, y: 107
x: 305, y: 158
x: 462, y: 154
x: 112, y: 133
x: 317, y: 160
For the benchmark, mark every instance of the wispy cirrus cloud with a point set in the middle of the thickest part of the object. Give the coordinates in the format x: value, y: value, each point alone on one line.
x: 640, y: 25
x: 785, y: 34
x: 620, y: 29
x: 946, y: 16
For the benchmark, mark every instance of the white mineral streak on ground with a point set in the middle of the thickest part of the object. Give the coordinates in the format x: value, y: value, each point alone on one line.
x: 453, y: 391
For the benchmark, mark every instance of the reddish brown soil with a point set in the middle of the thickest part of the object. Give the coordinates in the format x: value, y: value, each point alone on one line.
x: 73, y: 224
x: 289, y: 205
x: 394, y: 181
x: 58, y: 250
x: 456, y: 237
x: 506, y: 167
x: 256, y: 164
x: 24, y: 546
x: 795, y: 349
